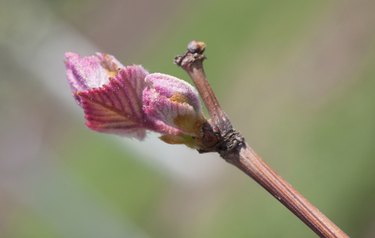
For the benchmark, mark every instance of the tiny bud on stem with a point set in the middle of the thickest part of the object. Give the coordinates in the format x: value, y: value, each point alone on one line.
x: 192, y: 63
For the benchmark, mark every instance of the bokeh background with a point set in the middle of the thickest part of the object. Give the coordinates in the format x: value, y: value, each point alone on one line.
x: 296, y: 77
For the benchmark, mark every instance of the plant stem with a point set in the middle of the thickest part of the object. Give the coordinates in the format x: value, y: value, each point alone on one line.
x: 233, y: 148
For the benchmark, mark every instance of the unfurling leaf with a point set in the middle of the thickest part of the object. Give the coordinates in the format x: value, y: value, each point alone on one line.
x: 127, y: 100
x: 116, y: 107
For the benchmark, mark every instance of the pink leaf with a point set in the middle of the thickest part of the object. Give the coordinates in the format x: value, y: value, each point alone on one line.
x: 172, y: 104
x: 116, y: 107
x: 128, y: 101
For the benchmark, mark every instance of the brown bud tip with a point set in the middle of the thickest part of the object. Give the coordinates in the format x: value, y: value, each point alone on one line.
x: 196, y: 47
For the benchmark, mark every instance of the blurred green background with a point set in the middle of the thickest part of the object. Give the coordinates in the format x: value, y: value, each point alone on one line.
x: 297, y: 78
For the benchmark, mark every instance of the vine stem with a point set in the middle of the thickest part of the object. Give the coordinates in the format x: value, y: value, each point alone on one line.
x: 220, y: 137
